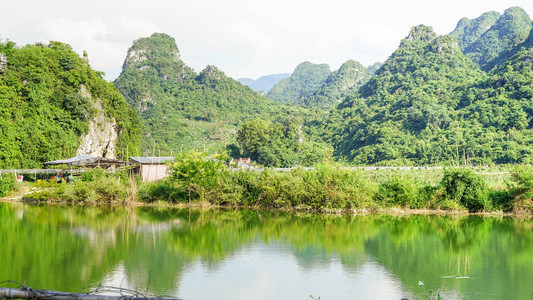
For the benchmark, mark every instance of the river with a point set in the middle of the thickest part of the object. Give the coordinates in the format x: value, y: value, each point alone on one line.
x: 246, y: 254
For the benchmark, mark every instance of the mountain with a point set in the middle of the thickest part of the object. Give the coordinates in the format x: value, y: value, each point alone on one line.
x: 510, y: 30
x: 180, y: 109
x: 306, y: 79
x: 374, y: 68
x: 468, y: 31
x: 345, y: 81
x: 263, y: 83
x: 399, y: 115
x: 54, y: 106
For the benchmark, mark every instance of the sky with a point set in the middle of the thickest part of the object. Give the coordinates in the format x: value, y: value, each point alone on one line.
x: 243, y: 38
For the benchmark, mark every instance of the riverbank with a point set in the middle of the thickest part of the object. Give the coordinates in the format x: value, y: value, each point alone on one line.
x: 327, y: 190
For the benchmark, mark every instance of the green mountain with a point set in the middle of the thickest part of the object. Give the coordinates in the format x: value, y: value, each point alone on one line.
x: 263, y: 83
x: 468, y: 31
x: 400, y: 114
x: 54, y: 106
x: 345, y: 81
x: 181, y: 109
x: 306, y: 79
x: 510, y: 30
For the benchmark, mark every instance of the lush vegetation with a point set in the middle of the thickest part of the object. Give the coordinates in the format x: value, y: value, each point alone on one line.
x: 7, y: 183
x: 197, y: 179
x: 306, y: 79
x: 183, y: 110
x: 279, y: 144
x: 47, y: 98
x: 93, y: 187
x: 430, y: 105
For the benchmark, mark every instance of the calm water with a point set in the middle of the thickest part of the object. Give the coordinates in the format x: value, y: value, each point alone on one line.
x: 244, y: 254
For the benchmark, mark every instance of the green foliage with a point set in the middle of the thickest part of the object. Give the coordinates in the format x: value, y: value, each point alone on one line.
x: 397, y: 192
x: 466, y: 188
x: 46, y: 95
x: 280, y: 145
x: 199, y: 174
x: 95, y: 187
x: 406, y: 112
x: 7, y: 183
x: 306, y: 79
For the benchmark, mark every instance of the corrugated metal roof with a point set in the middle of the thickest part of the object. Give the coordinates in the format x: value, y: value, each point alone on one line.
x: 84, y: 160
x: 148, y: 160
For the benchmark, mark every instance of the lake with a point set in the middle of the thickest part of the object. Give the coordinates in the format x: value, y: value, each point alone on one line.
x: 246, y: 254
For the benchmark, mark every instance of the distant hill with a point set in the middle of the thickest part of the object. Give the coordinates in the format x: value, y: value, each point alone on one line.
x: 341, y: 83
x: 306, y: 79
x: 374, y: 68
x: 180, y: 109
x: 263, y: 83
x: 511, y: 29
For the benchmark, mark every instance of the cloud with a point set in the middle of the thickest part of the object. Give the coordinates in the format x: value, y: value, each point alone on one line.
x: 245, y: 38
x: 106, y: 41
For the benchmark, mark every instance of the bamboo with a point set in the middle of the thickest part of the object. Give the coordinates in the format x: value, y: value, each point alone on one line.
x: 30, y: 294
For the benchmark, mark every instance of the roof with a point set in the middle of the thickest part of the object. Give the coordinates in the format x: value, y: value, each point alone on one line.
x: 84, y: 161
x: 151, y: 160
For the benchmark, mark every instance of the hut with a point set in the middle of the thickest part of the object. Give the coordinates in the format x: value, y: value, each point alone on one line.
x: 151, y: 168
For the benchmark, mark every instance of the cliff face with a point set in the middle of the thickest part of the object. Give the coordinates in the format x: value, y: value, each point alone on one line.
x: 101, y: 138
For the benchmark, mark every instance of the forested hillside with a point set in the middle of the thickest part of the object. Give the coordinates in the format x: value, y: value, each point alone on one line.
x: 181, y: 109
x: 429, y: 104
x: 48, y: 98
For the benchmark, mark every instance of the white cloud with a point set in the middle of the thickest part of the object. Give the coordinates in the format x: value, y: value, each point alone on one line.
x: 245, y: 38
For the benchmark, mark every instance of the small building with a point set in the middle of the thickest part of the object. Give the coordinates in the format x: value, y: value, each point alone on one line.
x: 151, y: 168
x: 244, y: 163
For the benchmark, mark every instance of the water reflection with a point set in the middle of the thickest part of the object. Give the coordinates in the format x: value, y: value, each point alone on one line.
x: 243, y: 254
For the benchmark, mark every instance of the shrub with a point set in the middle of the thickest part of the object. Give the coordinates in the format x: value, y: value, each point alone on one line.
x: 7, y: 183
x: 396, y: 192
x: 466, y: 188
x: 522, y: 191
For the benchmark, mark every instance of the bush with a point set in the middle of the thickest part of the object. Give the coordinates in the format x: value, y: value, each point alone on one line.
x: 396, y: 192
x: 7, y: 183
x: 466, y: 188
x: 425, y: 197
x: 522, y: 190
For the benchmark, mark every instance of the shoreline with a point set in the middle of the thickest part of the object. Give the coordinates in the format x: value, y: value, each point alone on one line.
x: 393, y: 211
